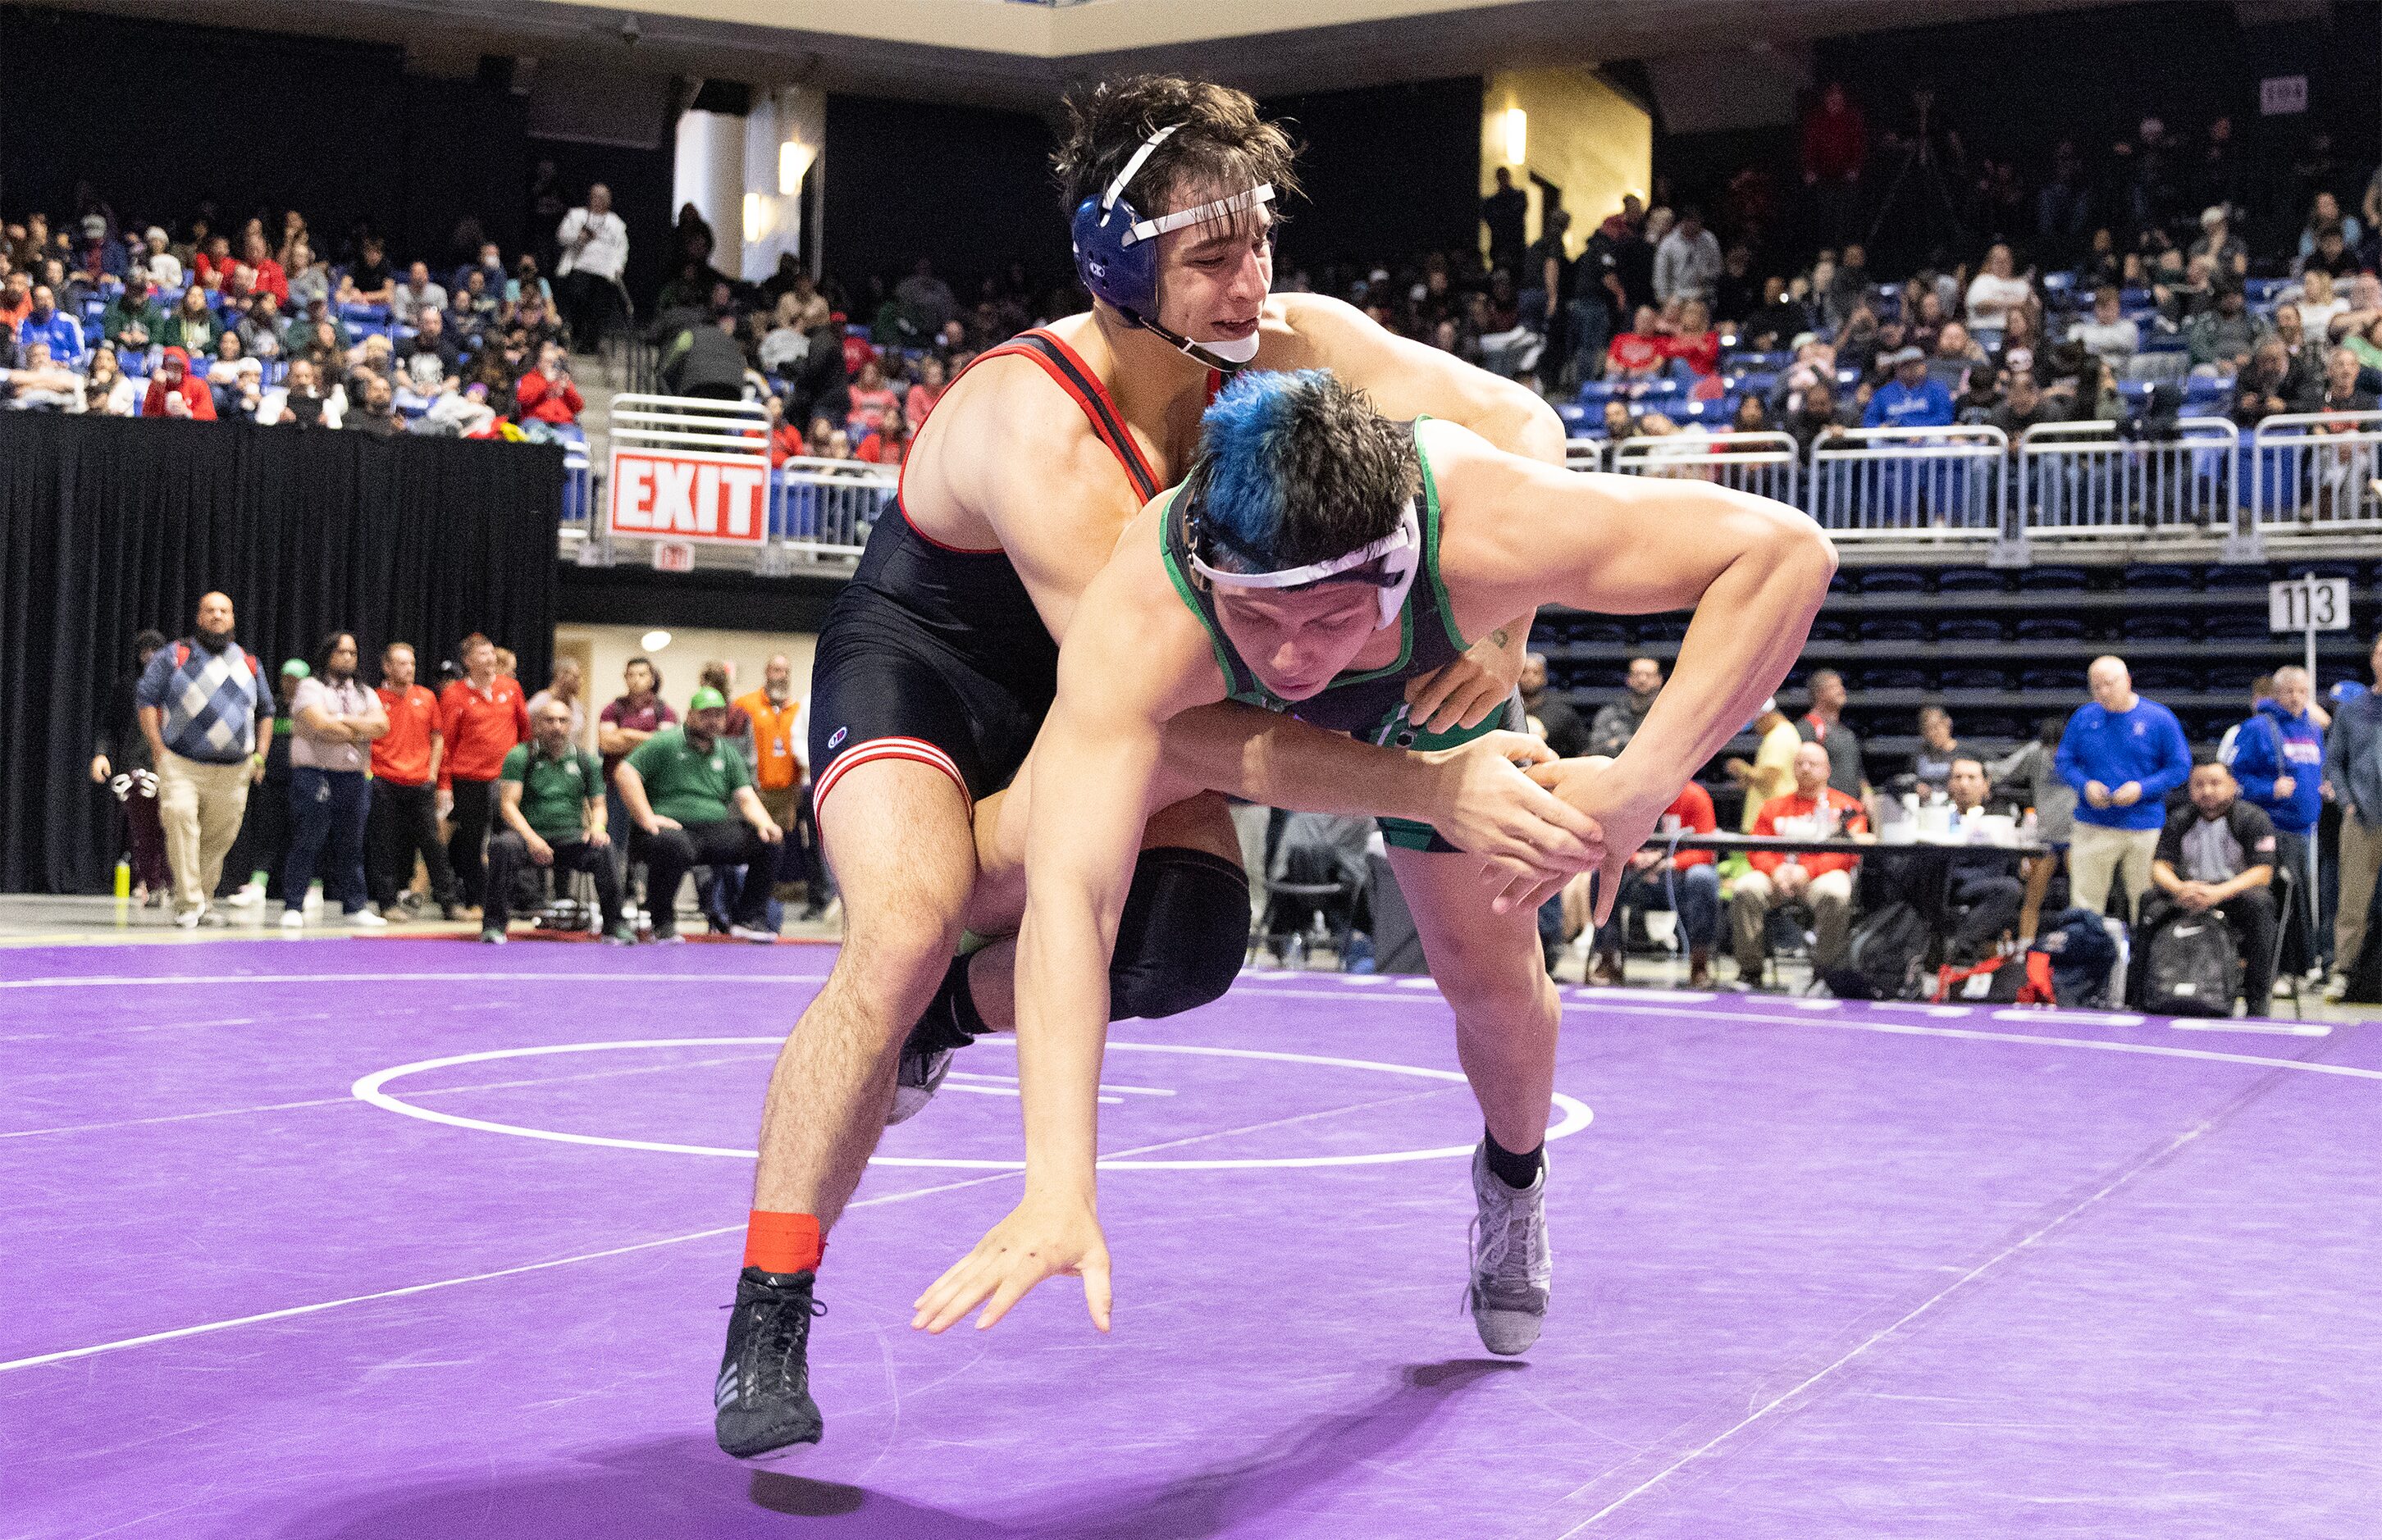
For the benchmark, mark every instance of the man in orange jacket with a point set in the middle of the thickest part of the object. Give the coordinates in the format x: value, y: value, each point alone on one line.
x: 776, y: 744
x: 1813, y: 810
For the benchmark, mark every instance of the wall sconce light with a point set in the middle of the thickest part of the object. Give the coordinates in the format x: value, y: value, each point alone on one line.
x: 1518, y: 136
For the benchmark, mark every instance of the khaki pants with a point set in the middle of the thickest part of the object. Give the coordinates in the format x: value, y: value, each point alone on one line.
x: 2098, y: 855
x: 2360, y: 859
x: 200, y: 806
x: 1831, y: 896
x: 780, y: 805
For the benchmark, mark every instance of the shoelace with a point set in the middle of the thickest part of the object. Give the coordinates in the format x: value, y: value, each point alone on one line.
x: 1507, y: 1253
x: 784, y: 1330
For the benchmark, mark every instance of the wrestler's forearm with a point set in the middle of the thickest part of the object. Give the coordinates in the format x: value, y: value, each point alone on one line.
x: 1278, y: 760
x: 1748, y: 631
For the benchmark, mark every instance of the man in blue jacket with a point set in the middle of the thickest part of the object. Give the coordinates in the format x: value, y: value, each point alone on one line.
x: 2352, y: 765
x: 46, y: 322
x: 2123, y: 755
x: 2277, y: 755
x: 1910, y: 399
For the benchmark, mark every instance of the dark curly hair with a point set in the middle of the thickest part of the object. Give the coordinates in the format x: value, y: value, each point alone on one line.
x: 1222, y: 141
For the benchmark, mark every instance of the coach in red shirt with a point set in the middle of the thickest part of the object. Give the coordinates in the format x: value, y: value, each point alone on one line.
x: 1814, y: 810
x: 482, y: 715
x: 1660, y: 878
x: 405, y: 790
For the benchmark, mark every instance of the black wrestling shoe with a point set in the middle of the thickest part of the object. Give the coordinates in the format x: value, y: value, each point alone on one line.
x: 763, y: 1396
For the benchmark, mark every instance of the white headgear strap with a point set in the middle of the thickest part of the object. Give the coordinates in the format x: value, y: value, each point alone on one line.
x: 1403, y: 546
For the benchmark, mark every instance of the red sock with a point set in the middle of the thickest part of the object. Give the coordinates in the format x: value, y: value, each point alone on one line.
x: 781, y: 1242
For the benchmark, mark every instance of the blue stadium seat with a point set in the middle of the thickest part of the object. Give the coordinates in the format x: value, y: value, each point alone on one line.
x: 2052, y: 681
x: 1973, y: 679
x: 2166, y: 678
x: 1893, y: 579
x: 2136, y: 300
x: 2158, y: 628
x: 2046, y: 628
x: 1758, y: 383
x: 2262, y: 291
x: 1894, y: 678
x: 2161, y: 575
x: 1575, y: 419
x: 1892, y: 629
x: 2158, y: 341
x: 2236, y: 577
x: 1829, y: 629
x: 1971, y: 629
x: 2060, y: 288
x: 1970, y: 580
x: 2236, y: 627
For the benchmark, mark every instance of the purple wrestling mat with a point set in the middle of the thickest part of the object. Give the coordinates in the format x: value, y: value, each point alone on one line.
x: 416, y: 1239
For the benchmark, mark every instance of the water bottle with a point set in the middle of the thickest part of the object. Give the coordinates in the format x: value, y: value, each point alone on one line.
x: 123, y: 877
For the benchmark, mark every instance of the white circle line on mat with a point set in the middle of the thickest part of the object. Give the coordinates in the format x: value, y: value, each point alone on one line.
x: 370, y: 1089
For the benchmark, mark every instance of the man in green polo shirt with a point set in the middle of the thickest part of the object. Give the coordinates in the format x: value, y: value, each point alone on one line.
x: 691, y: 800
x: 550, y: 804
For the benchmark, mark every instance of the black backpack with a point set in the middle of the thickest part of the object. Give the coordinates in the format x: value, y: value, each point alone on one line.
x: 1886, y: 959
x: 2188, y: 965
x: 2082, y: 957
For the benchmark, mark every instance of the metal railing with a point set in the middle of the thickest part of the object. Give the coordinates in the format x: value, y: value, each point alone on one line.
x: 1584, y: 454
x: 2314, y: 474
x: 1766, y: 464
x: 2083, y: 480
x: 1945, y: 485
x: 826, y: 507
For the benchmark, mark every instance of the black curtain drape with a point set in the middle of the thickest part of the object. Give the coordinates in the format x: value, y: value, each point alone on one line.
x: 110, y: 525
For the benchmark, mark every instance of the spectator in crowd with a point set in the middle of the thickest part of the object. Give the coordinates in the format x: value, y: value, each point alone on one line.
x: 2352, y: 769
x: 1778, y: 320
x: 1687, y: 262
x: 630, y: 718
x: 1931, y: 766
x: 1617, y: 721
x: 546, y: 394
x: 336, y: 720
x: 2220, y: 340
x: 202, y: 709
x: 2330, y: 253
x: 1507, y: 213
x: 2024, y: 405
x: 1810, y: 809
x: 1772, y: 773
x: 132, y: 320
x: 375, y: 411
x: 926, y: 300
x: 565, y: 686
x: 594, y: 243
x: 260, y: 329
x: 1695, y: 344
x: 1619, y: 426
x: 16, y: 302
x: 1598, y: 299
x: 2319, y: 302
x: 39, y: 385
x: 705, y: 361
x: 107, y: 390
x: 1834, y: 142
x: 2035, y: 765
x: 1815, y: 421
x: 236, y: 380
x: 175, y: 392
x: 872, y: 402
x: 774, y: 717
x: 1555, y: 718
x: 121, y: 760
x: 1957, y: 362
x: 369, y: 282
x: 2123, y: 754
x: 1910, y: 399
x: 2228, y: 254
x: 2262, y: 389
x: 691, y: 802
x: 2218, y: 853
x: 300, y: 400
x: 417, y: 295
x: 1982, y: 899
x: 889, y: 443
x: 2324, y: 214
x: 1824, y: 724
x: 1996, y: 290
x: 403, y: 823
x: 475, y: 308
x: 429, y: 364
x: 2182, y: 295
x: 1686, y: 880
x: 2339, y: 391
x: 192, y: 327
x: 265, y: 275
x: 1640, y: 354
x: 164, y: 267
x: 481, y: 716
x: 310, y: 280
x: 51, y: 327
x: 925, y: 392
x: 2276, y: 758
x: 551, y: 806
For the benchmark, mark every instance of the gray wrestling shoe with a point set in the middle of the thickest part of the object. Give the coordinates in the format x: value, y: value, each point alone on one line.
x: 919, y: 1077
x: 1513, y: 1271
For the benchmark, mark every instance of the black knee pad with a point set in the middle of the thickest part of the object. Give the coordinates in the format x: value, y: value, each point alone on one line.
x: 1182, y: 935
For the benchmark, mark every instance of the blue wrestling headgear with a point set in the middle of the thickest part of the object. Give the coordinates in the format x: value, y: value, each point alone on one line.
x: 1116, y: 254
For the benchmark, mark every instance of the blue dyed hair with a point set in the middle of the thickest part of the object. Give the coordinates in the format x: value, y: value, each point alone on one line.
x: 1297, y: 468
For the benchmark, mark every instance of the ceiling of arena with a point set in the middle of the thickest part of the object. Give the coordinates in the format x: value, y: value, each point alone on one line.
x: 1003, y: 52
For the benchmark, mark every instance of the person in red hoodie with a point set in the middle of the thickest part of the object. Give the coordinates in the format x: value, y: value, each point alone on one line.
x: 1662, y: 878
x: 1813, y: 810
x: 481, y: 716
x: 174, y: 391
x: 269, y: 278
x: 546, y: 393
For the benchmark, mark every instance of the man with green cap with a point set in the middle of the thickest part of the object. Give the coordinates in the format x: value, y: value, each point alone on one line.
x: 691, y: 799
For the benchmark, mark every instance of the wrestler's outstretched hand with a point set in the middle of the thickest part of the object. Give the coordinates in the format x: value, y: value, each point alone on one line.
x: 1042, y: 1237
x: 1624, y: 808
x: 1487, y: 805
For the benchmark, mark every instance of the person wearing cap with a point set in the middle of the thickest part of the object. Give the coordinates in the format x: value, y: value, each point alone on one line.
x: 691, y: 799
x: 550, y: 801
x: 1910, y: 400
